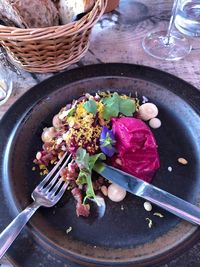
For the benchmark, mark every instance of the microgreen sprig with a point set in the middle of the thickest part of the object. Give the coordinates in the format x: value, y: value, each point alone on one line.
x: 86, y: 163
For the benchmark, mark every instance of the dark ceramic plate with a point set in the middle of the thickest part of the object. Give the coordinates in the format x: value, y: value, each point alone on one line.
x: 122, y: 236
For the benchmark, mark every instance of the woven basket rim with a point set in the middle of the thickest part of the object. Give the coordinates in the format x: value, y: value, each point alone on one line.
x: 14, y: 33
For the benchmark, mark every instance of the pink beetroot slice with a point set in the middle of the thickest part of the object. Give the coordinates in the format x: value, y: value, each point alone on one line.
x: 136, y: 148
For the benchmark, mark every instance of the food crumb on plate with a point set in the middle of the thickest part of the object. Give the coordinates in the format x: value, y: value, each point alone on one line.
x: 68, y: 230
x: 182, y: 161
x: 158, y: 214
x: 150, y: 223
x: 122, y: 207
x: 169, y: 169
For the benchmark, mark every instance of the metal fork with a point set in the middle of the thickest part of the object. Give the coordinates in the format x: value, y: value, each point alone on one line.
x: 46, y: 194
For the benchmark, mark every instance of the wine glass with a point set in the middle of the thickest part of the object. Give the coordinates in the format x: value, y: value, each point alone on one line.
x: 164, y: 44
x: 6, y: 79
x: 6, y: 85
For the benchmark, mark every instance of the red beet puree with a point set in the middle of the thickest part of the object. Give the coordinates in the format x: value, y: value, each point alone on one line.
x: 136, y: 148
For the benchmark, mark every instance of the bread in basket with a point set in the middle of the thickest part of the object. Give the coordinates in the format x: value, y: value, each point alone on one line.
x: 50, y: 49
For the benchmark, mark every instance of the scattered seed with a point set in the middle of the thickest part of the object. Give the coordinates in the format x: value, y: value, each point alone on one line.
x: 158, y: 214
x: 169, y: 169
x: 42, y: 167
x: 147, y: 206
x: 33, y: 168
x: 118, y: 161
x: 182, y: 161
x: 45, y: 172
x: 104, y: 190
x: 150, y: 222
x: 122, y: 207
x: 68, y: 230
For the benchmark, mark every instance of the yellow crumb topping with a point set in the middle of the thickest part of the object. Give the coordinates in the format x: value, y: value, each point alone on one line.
x: 82, y: 129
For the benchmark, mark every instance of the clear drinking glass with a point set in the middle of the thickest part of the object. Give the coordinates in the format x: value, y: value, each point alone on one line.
x: 5, y: 85
x: 188, y: 17
x: 167, y: 45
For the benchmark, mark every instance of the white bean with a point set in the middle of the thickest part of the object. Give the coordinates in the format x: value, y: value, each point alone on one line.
x: 155, y: 123
x: 148, y: 111
x: 147, y: 206
x: 116, y: 193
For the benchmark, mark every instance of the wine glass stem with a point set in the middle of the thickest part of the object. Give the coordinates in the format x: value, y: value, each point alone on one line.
x: 172, y: 19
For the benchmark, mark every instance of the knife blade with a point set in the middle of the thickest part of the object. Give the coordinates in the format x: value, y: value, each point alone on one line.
x: 155, y: 195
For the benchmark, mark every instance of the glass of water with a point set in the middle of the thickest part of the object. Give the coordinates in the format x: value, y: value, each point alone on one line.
x: 188, y: 17
x: 6, y: 85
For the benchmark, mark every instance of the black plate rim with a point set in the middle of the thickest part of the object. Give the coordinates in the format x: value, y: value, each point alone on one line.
x: 191, y: 96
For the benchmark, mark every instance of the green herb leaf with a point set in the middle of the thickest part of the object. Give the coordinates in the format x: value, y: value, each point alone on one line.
x: 98, y: 167
x: 127, y: 107
x: 85, y: 164
x: 111, y: 106
x: 94, y: 158
x: 82, y: 158
x: 90, y: 106
x: 82, y: 178
x: 71, y: 112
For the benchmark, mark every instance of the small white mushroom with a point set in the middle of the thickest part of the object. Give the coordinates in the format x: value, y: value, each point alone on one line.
x: 155, y: 123
x: 116, y: 193
x: 48, y: 134
x: 56, y: 121
x: 148, y: 111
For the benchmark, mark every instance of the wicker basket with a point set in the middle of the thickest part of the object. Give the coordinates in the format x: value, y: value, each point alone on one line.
x: 50, y: 49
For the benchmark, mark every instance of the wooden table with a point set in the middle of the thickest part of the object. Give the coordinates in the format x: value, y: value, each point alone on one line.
x: 117, y: 38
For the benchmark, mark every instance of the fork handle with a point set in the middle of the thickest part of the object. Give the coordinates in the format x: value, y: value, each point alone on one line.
x: 14, y: 228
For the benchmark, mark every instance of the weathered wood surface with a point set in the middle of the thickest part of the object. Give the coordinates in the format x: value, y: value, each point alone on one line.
x: 117, y: 38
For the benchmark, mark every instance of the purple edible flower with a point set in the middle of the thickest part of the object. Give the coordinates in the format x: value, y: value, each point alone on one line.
x: 107, y: 142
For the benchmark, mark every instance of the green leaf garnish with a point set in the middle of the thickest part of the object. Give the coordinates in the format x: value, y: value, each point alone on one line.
x: 82, y: 158
x: 99, y: 167
x: 114, y: 104
x: 111, y: 106
x: 82, y: 178
x: 127, y: 107
x: 86, y: 164
x: 90, y: 106
x: 94, y: 158
x: 71, y: 112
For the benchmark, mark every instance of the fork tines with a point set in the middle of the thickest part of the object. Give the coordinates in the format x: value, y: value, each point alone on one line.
x: 47, y: 182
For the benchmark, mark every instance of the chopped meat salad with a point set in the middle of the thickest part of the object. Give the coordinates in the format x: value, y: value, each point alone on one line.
x: 108, y: 127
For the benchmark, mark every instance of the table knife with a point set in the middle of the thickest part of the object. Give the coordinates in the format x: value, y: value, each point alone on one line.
x: 155, y: 195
